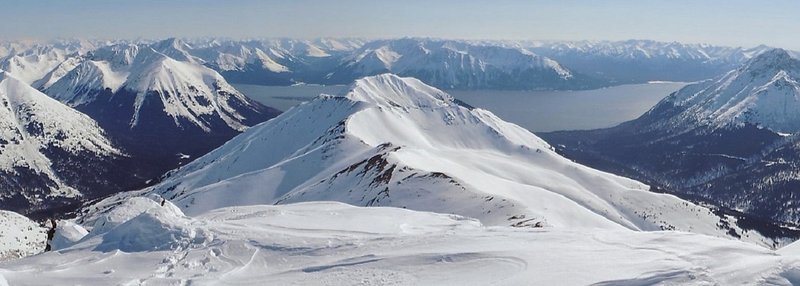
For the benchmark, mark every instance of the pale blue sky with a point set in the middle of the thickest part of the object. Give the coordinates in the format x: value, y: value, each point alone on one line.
x: 729, y: 22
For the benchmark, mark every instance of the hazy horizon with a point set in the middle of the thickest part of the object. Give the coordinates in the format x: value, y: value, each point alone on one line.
x: 715, y: 22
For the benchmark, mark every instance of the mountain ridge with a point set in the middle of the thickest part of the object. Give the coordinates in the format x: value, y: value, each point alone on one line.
x: 392, y: 141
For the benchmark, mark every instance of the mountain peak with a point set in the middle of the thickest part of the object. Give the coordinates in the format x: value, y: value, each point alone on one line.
x: 390, y: 90
x: 763, y: 92
x: 772, y: 60
x: 170, y: 43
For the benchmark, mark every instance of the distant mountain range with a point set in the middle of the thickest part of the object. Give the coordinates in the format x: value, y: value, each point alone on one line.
x: 127, y: 114
x: 637, y: 61
x: 448, y: 64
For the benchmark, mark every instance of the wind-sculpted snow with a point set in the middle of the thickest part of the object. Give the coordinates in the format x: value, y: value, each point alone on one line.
x: 336, y: 244
x: 392, y: 141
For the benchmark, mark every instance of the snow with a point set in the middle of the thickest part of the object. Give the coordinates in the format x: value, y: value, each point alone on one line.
x: 19, y: 237
x: 336, y: 244
x: 392, y: 141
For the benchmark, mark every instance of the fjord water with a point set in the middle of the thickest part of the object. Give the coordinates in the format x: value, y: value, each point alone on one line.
x: 538, y: 111
x: 543, y: 111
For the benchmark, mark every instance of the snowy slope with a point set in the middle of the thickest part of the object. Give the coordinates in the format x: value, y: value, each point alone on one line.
x: 326, y: 243
x: 40, y: 140
x: 394, y: 141
x: 458, y: 64
x: 19, y: 236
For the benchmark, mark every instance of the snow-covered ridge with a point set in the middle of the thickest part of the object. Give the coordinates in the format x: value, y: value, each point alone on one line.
x: 456, y: 64
x: 392, y: 141
x: 389, y: 90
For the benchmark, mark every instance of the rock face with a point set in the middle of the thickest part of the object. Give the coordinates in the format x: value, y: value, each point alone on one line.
x: 393, y: 141
x: 731, y: 140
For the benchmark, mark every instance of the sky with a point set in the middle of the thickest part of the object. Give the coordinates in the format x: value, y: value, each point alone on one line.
x: 729, y: 22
